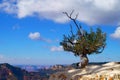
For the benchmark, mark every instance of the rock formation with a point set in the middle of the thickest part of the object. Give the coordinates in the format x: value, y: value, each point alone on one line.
x: 108, y: 71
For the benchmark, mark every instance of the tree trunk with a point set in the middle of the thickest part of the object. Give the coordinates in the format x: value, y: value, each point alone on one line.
x: 84, y: 61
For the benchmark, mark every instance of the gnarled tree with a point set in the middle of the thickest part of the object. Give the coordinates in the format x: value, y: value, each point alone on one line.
x: 83, y: 43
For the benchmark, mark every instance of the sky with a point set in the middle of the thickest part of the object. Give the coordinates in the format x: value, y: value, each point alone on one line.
x: 31, y: 30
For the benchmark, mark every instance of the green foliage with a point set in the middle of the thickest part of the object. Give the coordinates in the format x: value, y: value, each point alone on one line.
x: 83, y: 42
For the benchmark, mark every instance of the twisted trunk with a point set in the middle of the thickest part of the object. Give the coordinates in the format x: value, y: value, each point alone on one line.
x: 84, y: 61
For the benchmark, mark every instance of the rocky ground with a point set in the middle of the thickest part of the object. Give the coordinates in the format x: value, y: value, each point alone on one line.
x: 108, y: 71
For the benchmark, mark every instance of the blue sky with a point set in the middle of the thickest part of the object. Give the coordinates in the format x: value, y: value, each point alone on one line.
x: 31, y: 34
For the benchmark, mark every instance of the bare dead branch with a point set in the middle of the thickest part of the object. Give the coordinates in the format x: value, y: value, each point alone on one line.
x: 70, y: 16
x: 76, y: 16
x: 71, y: 13
x: 80, y: 26
x: 66, y: 14
x: 74, y: 20
x: 71, y: 30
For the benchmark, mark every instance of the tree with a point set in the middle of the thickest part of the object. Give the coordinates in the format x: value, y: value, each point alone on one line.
x: 83, y: 43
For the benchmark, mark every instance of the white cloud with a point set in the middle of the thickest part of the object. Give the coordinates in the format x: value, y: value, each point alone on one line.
x: 116, y: 34
x: 90, y: 11
x: 37, y: 36
x: 58, y: 49
x: 34, y: 36
x: 105, y: 4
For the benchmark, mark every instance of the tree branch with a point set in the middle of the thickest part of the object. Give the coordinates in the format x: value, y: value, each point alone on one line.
x: 76, y: 16
x: 71, y: 30
x: 74, y: 20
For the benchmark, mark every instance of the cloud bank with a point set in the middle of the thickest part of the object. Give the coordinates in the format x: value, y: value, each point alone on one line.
x: 90, y: 11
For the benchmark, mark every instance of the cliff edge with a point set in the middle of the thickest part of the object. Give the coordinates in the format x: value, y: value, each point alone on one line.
x: 108, y: 71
